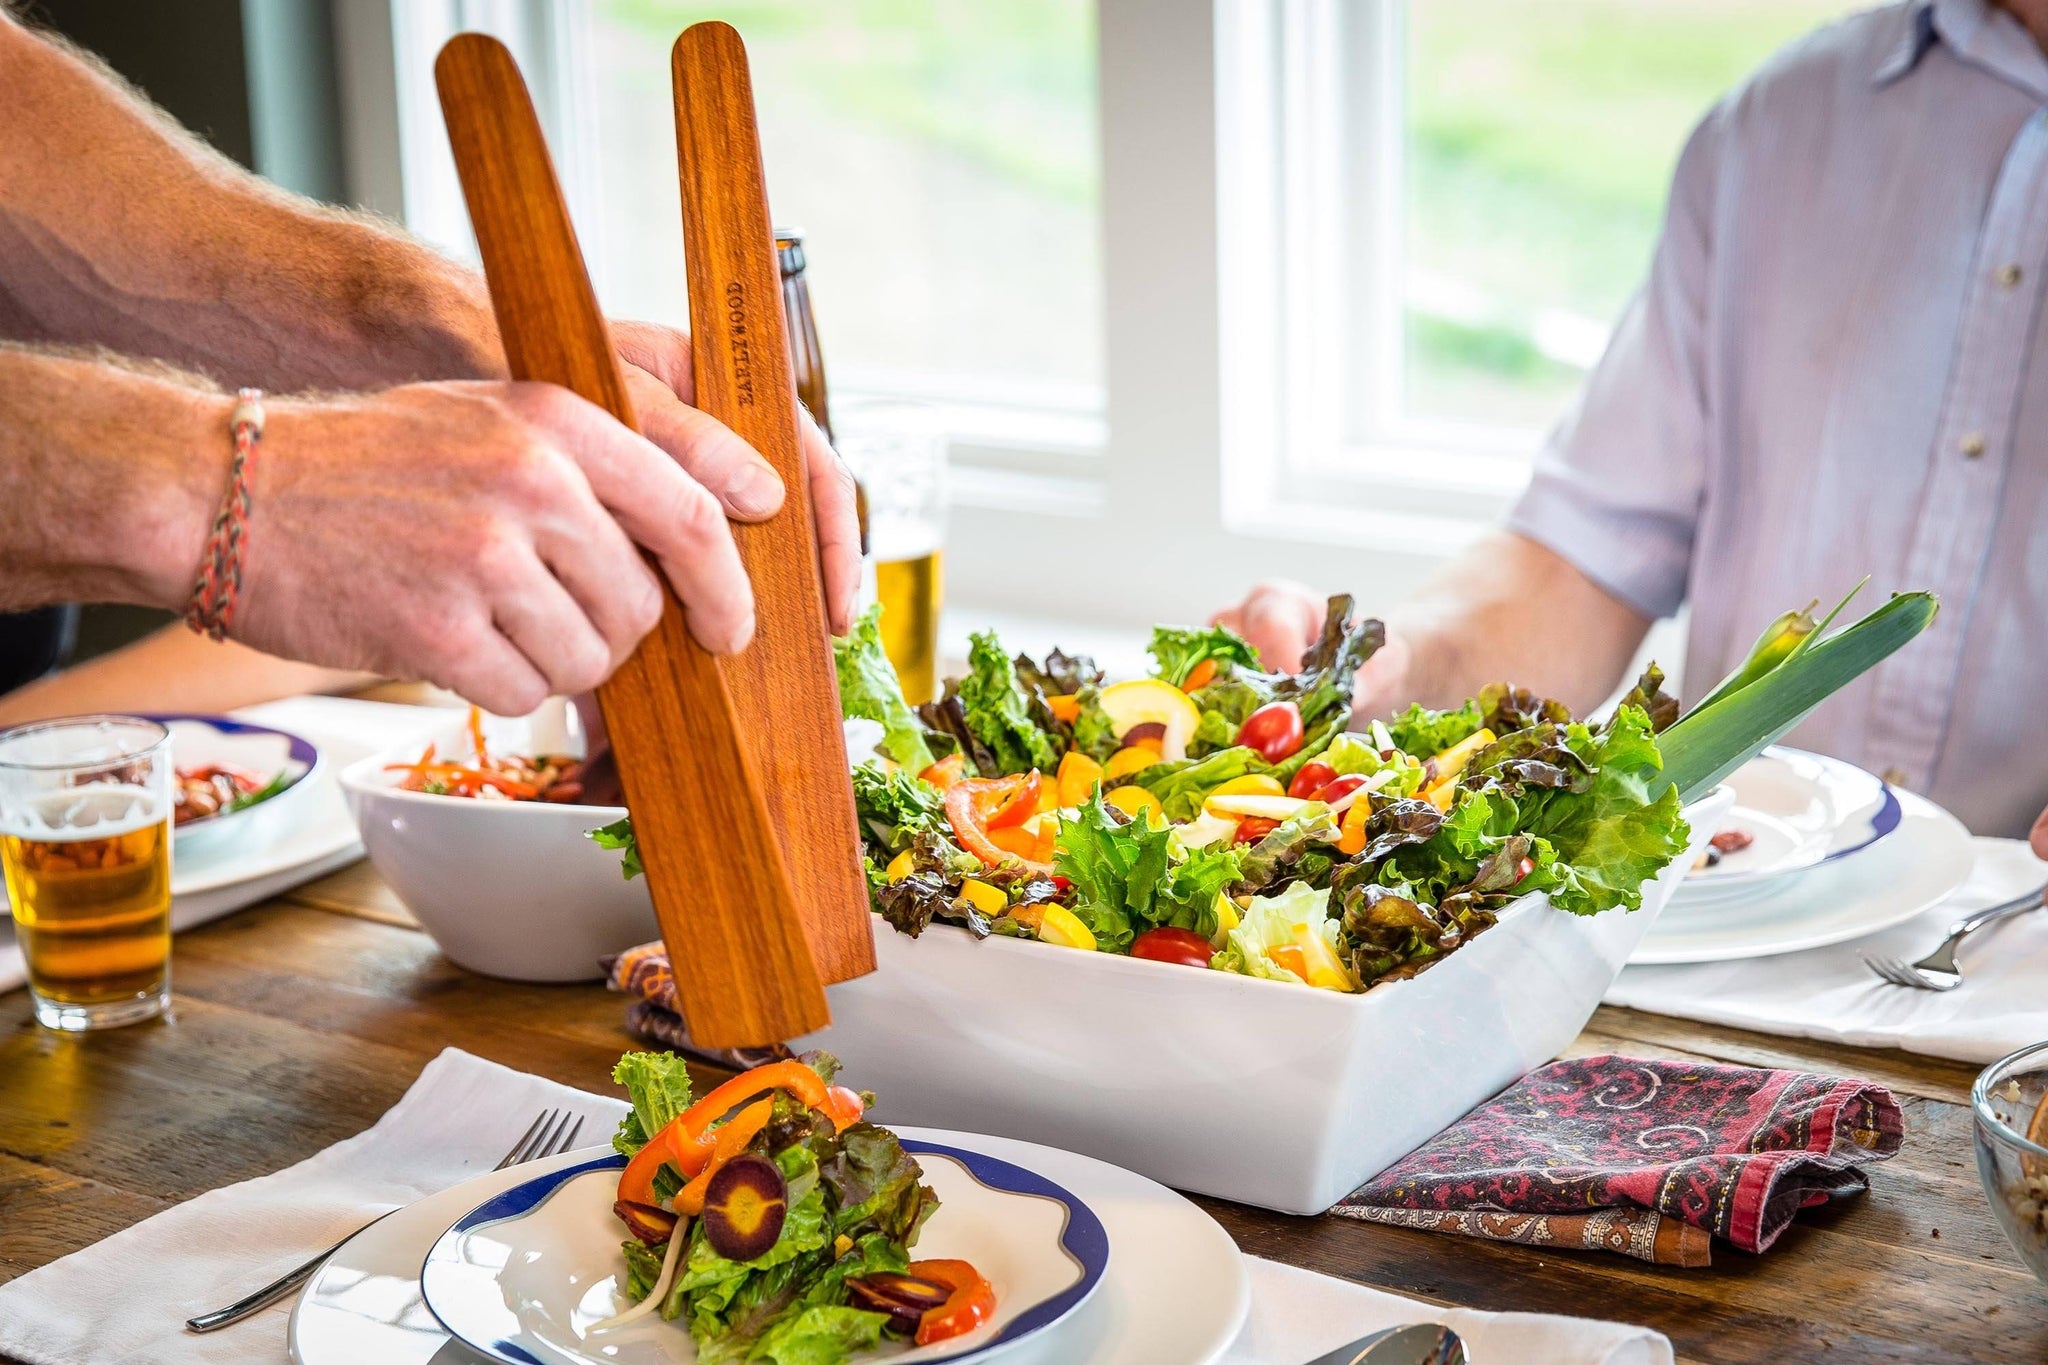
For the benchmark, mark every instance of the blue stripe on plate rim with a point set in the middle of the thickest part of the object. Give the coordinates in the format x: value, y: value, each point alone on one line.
x: 1082, y: 1238
x: 1882, y: 823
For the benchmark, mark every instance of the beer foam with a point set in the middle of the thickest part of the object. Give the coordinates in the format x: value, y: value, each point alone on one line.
x: 98, y: 810
x: 894, y: 539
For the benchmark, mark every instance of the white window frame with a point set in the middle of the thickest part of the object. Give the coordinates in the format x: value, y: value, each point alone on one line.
x: 1233, y: 148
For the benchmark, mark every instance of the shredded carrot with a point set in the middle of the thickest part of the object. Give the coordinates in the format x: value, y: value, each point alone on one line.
x: 476, y: 733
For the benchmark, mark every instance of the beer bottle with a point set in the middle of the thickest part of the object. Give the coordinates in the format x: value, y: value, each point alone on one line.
x: 806, y: 356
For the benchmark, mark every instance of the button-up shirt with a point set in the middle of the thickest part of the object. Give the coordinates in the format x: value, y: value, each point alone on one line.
x: 1836, y: 368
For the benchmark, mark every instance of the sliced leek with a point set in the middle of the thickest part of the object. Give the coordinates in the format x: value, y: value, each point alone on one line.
x: 1792, y: 670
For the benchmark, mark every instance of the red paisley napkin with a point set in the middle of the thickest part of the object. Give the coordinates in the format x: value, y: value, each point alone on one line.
x: 1651, y: 1159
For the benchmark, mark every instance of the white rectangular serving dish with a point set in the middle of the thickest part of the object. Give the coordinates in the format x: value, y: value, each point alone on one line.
x: 1259, y: 1091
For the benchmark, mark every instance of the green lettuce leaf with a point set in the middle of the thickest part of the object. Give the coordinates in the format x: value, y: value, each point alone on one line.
x: 1271, y: 922
x: 998, y: 712
x: 1424, y: 733
x: 1176, y: 650
x: 870, y: 690
x: 619, y: 834
x: 1610, y: 837
x: 658, y: 1084
x: 1185, y: 783
x: 822, y: 1335
x: 1129, y: 877
x: 895, y: 808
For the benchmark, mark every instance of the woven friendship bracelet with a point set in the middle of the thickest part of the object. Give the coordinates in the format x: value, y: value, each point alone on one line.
x: 212, y: 609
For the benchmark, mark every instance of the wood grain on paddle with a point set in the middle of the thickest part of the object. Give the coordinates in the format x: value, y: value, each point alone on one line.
x: 784, y: 688
x: 714, y: 862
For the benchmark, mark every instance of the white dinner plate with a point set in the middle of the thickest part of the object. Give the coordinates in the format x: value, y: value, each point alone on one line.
x: 1175, y: 1293
x: 525, y: 1275
x: 1801, y: 810
x: 1927, y: 857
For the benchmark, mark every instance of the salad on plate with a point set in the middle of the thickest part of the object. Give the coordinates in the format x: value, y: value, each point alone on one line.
x: 774, y: 1222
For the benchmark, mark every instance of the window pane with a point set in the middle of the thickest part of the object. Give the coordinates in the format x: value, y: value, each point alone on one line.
x: 1540, y: 143
x: 940, y: 156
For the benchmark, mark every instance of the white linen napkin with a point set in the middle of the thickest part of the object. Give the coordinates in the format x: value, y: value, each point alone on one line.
x: 457, y: 1120
x: 1298, y: 1315
x: 341, y: 726
x: 1828, y: 993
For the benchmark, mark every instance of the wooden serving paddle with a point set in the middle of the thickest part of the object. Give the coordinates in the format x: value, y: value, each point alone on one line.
x: 785, y: 689
x: 714, y: 861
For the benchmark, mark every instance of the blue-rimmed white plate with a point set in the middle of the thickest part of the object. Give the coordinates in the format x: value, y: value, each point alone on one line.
x: 1797, y: 811
x: 522, y: 1277
x: 279, y: 763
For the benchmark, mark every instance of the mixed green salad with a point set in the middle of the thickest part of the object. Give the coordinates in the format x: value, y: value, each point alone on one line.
x: 774, y: 1221
x: 1222, y: 816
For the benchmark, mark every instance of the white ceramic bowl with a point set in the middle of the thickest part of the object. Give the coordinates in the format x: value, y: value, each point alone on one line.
x: 1258, y: 1091
x: 507, y: 888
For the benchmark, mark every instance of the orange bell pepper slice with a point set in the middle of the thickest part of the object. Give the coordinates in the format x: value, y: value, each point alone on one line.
x: 688, y: 1142
x: 1200, y: 676
x: 729, y: 1141
x: 972, y: 1302
x: 945, y: 772
x: 1066, y: 707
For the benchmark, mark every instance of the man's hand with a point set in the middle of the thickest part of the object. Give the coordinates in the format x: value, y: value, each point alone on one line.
x: 480, y: 535
x: 1282, y: 618
x: 659, y: 378
x: 2038, y: 837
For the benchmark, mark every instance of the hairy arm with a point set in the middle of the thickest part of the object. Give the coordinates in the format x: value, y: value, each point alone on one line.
x: 112, y: 475
x: 120, y: 229
x: 172, y: 670
x: 1507, y: 610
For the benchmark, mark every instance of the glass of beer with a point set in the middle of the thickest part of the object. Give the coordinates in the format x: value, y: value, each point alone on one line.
x: 898, y: 451
x: 85, y: 843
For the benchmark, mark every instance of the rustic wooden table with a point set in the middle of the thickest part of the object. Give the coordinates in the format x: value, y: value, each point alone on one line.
x: 299, y: 1021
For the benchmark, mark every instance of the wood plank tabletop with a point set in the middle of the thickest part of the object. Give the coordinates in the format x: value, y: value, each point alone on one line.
x: 299, y: 1021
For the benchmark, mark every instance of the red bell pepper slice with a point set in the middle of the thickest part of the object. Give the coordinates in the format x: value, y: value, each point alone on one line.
x: 969, y: 805
x: 972, y: 1302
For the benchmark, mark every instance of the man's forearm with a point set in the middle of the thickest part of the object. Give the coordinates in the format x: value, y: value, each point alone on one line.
x: 1510, y: 610
x: 112, y: 476
x: 120, y: 230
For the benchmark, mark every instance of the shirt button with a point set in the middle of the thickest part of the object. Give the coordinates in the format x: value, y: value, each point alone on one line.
x: 2009, y: 275
x: 1894, y: 777
x: 1972, y: 445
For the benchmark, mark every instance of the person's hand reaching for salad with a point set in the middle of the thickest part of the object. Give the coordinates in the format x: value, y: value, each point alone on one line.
x: 1282, y: 618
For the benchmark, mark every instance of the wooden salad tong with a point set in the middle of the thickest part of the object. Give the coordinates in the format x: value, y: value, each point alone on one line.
x: 785, y: 688
x: 714, y: 859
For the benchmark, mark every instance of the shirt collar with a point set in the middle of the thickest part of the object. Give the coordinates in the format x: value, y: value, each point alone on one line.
x: 1978, y: 32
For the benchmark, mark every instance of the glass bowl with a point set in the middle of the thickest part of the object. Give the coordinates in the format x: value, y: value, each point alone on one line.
x: 2010, y: 1106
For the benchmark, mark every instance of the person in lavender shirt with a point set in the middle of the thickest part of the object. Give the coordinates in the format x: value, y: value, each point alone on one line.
x: 1836, y: 367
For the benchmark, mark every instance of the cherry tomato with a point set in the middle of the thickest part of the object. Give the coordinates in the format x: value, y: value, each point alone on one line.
x: 1312, y: 778
x: 1253, y: 828
x: 1183, y: 946
x: 1274, y: 730
x: 843, y: 1106
x: 1337, y: 788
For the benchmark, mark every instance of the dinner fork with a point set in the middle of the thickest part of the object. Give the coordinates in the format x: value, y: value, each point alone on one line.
x: 1938, y: 971
x: 551, y: 1134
